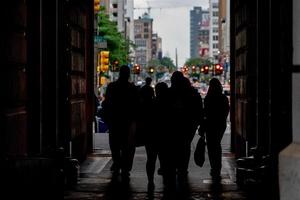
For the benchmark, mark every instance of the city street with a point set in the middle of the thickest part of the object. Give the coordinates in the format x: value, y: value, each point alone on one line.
x: 95, y: 180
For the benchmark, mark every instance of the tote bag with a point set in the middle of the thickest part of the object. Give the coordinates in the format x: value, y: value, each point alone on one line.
x: 199, y: 154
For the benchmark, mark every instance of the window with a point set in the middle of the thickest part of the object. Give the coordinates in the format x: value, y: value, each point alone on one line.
x: 215, y: 21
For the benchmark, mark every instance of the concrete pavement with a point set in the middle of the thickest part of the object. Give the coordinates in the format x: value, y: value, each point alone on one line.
x: 96, y: 181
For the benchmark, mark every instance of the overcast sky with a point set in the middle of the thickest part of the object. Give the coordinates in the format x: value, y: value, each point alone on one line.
x: 171, y: 20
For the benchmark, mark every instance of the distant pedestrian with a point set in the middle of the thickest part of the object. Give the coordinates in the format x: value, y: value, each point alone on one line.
x: 119, y: 107
x: 147, y: 92
x: 216, y: 109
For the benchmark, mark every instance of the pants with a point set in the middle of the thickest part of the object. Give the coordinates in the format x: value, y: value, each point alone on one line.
x: 122, y: 150
x: 213, y: 139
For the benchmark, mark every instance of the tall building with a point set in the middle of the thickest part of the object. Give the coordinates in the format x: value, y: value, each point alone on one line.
x: 143, y: 39
x: 195, y: 22
x: 118, y: 14
x: 224, y: 36
x: 156, y: 46
x: 122, y: 13
x: 129, y: 26
x: 214, y: 30
x: 204, y: 31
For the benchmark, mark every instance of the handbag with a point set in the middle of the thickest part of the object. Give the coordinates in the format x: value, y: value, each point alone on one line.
x: 199, y: 154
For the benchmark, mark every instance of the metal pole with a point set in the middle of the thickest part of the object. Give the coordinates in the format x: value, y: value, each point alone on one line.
x: 176, y: 58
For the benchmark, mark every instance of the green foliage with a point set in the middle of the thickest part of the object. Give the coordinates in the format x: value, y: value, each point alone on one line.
x: 154, y: 63
x: 168, y: 62
x: 197, y: 62
x: 163, y: 65
x: 117, y: 44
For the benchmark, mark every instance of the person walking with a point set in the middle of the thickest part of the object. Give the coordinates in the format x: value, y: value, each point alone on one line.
x: 119, y: 113
x: 147, y: 130
x: 185, y: 117
x: 216, y: 109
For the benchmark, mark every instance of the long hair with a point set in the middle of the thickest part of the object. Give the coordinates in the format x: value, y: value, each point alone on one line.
x: 215, y: 87
x: 176, y: 79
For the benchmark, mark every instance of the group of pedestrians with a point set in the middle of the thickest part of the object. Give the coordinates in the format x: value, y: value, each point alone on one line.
x: 165, y: 119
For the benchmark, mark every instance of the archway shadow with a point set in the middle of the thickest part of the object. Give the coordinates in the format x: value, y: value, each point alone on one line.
x: 180, y: 191
x: 118, y: 189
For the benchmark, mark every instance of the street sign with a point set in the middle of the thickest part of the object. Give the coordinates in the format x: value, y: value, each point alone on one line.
x: 98, y: 38
x: 100, y: 42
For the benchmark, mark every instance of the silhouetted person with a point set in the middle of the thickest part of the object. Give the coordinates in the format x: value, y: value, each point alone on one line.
x: 216, y: 108
x: 147, y: 92
x: 185, y: 116
x: 146, y: 123
x: 119, y: 109
x: 195, y: 118
x: 156, y: 139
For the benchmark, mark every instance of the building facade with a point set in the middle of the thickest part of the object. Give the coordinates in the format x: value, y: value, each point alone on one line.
x: 47, y: 84
x: 143, y: 39
x: 204, y: 32
x: 156, y: 46
x: 264, y: 78
x: 214, y: 30
x: 129, y: 27
x: 199, y: 32
x: 195, y: 19
x: 224, y: 38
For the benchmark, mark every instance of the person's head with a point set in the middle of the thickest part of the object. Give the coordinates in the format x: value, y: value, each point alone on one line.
x: 186, y: 82
x: 215, y: 87
x: 124, y: 73
x: 161, y: 89
x: 148, y: 80
x: 176, y: 78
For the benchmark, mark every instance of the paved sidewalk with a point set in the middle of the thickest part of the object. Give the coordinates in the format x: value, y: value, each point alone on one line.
x: 96, y: 182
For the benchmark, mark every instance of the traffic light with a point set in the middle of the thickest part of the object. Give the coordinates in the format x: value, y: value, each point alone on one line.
x: 218, y: 69
x: 96, y: 6
x: 193, y: 69
x: 151, y: 70
x: 115, y: 66
x: 103, y: 61
x: 205, y: 69
x: 136, y: 69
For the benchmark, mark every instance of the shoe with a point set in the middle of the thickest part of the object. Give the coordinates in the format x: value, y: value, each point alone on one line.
x: 216, y: 178
x: 125, y: 176
x: 115, y: 168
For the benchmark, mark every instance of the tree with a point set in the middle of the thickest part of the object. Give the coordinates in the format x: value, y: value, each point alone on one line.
x: 198, y: 62
x: 168, y: 62
x: 154, y: 63
x: 117, y: 44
